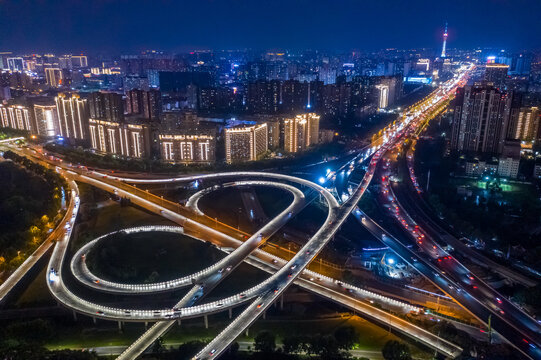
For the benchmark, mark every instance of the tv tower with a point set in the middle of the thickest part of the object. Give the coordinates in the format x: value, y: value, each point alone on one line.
x: 444, y: 41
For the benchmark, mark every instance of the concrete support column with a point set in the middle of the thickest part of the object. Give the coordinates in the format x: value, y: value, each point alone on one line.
x: 230, y: 313
x: 282, y: 302
x: 120, y: 326
x: 178, y: 322
x: 206, y: 322
x: 146, y: 325
x: 94, y: 319
x: 74, y: 316
x: 247, y: 330
x: 264, y: 315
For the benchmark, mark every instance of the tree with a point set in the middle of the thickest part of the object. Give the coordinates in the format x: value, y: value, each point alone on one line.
x: 265, y: 342
x: 292, y: 344
x: 157, y: 347
x: 395, y: 350
x: 346, y: 336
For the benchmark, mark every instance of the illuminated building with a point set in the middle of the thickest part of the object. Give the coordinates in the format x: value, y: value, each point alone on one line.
x: 15, y: 117
x: 383, y: 96
x: 54, y: 77
x: 246, y: 143
x: 73, y: 117
x: 524, y: 123
x: 79, y: 61
x: 187, y: 146
x: 46, y: 118
x: 106, y: 106
x: 146, y: 103
x: 128, y: 139
x: 496, y: 74
x: 481, y: 119
x: 15, y: 63
x: 300, y: 132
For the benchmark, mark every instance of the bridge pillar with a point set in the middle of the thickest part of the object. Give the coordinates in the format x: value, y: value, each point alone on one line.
x: 206, y: 322
x: 282, y: 302
x: 230, y: 313
x: 146, y: 325
x: 74, y: 316
x: 247, y: 330
x: 178, y: 322
x: 264, y: 315
x: 120, y: 326
x: 94, y: 320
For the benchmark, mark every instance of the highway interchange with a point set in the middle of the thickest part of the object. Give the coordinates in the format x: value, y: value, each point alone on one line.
x: 284, y: 273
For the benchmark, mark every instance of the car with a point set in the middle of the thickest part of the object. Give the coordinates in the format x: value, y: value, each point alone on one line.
x: 499, y: 300
x: 219, y: 305
x: 293, y: 267
x: 212, y: 352
x: 96, y: 281
x: 99, y: 312
x: 259, y: 305
x: 274, y: 261
x: 242, y: 296
x: 289, y: 275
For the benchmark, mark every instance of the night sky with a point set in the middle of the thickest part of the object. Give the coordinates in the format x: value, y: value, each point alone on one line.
x: 133, y: 25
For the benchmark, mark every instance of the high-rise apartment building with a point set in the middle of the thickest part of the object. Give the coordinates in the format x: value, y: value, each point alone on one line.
x: 73, y: 117
x: 189, y: 146
x: 54, y: 77
x: 300, y: 132
x: 524, y: 123
x: 17, y: 117
x: 46, y: 117
x: 496, y: 74
x: 79, y: 61
x: 145, y: 103
x: 106, y: 106
x: 481, y: 119
x: 125, y: 139
x: 246, y: 143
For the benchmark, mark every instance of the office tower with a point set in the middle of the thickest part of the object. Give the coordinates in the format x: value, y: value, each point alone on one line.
x: 54, y: 77
x: 524, y: 123
x: 187, y: 145
x: 15, y: 63
x: 73, y: 117
x: 16, y: 117
x: 106, y: 106
x: 300, y: 132
x: 79, y: 61
x: 127, y: 139
x: 481, y: 119
x: 444, y: 47
x: 246, y: 143
x: 46, y: 117
x: 496, y: 74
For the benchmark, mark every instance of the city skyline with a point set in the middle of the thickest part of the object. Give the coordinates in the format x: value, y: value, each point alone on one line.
x: 137, y: 25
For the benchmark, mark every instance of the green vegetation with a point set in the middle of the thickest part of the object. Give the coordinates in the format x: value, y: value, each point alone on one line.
x: 395, y: 350
x: 505, y: 217
x: 25, y: 340
x: 149, y: 257
x: 30, y: 203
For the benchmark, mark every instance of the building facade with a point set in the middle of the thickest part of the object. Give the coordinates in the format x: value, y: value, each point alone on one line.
x: 300, y: 132
x: 246, y: 143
